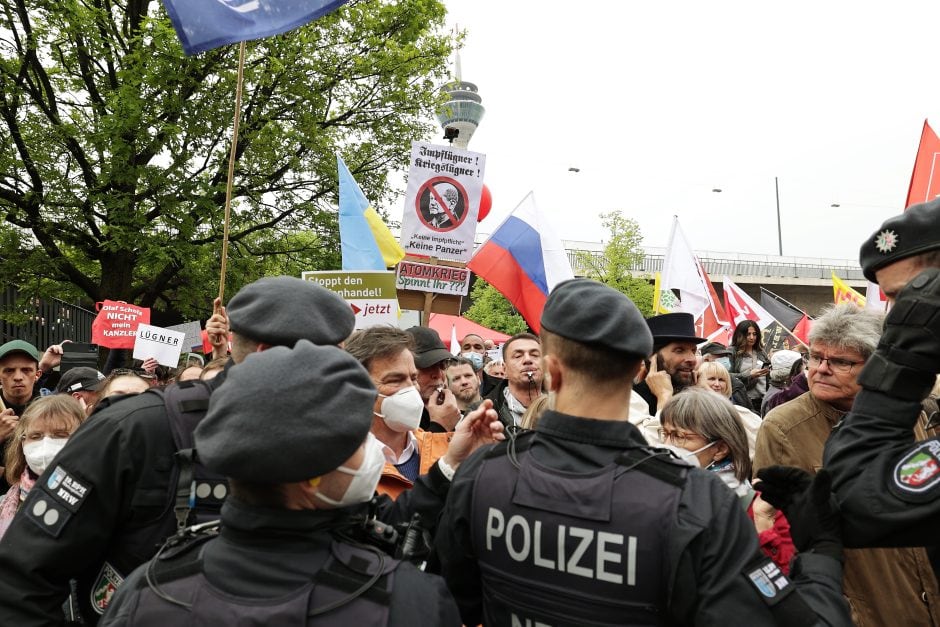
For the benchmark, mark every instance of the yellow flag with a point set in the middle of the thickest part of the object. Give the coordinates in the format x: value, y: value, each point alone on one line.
x: 389, y: 248
x: 843, y: 293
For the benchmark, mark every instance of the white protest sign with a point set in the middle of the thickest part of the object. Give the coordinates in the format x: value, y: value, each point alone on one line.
x: 193, y: 333
x: 442, y: 202
x: 371, y: 295
x: 162, y: 344
x: 426, y: 278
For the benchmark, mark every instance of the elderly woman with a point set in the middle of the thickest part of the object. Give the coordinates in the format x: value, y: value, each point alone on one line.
x: 713, y: 376
x: 40, y: 434
x: 708, y: 427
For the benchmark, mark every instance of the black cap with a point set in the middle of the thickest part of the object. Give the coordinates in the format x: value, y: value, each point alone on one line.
x: 429, y: 349
x: 716, y: 348
x: 589, y: 312
x: 913, y: 232
x: 287, y: 414
x: 673, y: 327
x: 80, y: 379
x: 280, y: 310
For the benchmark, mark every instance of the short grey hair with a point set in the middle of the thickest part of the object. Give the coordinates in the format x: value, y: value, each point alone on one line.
x: 848, y: 326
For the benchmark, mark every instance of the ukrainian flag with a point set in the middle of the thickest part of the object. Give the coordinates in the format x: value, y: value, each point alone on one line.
x: 366, y: 242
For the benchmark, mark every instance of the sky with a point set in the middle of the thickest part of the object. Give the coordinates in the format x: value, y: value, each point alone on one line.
x: 659, y: 103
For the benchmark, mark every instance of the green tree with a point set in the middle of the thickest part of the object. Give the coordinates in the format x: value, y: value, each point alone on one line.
x: 492, y: 310
x: 617, y: 265
x: 114, y: 145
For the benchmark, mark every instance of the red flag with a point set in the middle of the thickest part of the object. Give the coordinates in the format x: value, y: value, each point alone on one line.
x: 925, y: 179
x: 711, y: 324
x: 801, y: 330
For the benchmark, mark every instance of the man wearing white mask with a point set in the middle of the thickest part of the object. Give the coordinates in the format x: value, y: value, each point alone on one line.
x: 386, y: 353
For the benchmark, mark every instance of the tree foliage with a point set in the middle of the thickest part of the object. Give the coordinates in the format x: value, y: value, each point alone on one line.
x: 114, y: 145
x: 492, y: 310
x: 617, y: 265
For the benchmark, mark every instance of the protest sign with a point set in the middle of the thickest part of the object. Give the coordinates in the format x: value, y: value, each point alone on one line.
x: 371, y: 295
x: 162, y: 344
x: 426, y: 278
x: 442, y: 201
x: 193, y: 332
x: 116, y: 323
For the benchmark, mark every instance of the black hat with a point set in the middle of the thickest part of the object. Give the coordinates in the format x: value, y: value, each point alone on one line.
x: 280, y: 310
x: 287, y: 414
x: 429, y: 349
x: 588, y: 312
x: 915, y: 231
x: 19, y: 346
x: 716, y: 348
x: 80, y: 379
x: 673, y: 327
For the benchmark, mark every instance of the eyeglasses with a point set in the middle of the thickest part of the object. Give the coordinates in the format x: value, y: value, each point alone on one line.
x: 836, y: 364
x: 37, y: 436
x: 677, y: 438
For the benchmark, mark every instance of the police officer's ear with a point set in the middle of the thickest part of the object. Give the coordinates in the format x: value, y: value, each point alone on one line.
x: 552, y: 369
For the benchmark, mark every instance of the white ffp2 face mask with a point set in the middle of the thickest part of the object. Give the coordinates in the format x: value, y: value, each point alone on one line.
x: 402, y: 410
x: 40, y: 454
x: 364, y: 478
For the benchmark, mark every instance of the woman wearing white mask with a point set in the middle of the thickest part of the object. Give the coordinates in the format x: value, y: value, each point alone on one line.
x: 40, y: 434
x: 708, y: 427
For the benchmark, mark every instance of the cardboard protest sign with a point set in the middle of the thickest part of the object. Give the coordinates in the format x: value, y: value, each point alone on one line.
x: 116, y: 323
x: 427, y: 278
x: 371, y: 295
x: 442, y: 201
x: 193, y: 333
x: 162, y: 344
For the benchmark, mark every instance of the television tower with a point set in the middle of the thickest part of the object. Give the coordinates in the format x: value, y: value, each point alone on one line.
x: 462, y: 113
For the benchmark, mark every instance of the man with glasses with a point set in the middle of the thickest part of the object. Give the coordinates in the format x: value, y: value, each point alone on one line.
x: 883, y: 586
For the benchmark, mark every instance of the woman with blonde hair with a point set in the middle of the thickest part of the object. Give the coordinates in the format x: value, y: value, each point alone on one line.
x: 40, y: 434
x: 708, y: 427
x: 715, y: 377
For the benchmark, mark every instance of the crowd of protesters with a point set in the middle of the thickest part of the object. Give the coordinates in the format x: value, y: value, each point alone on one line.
x: 610, y: 470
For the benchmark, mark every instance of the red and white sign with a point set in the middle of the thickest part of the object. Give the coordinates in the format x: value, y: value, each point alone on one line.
x: 117, y: 322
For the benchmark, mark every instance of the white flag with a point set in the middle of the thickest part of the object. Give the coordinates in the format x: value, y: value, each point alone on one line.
x: 680, y: 272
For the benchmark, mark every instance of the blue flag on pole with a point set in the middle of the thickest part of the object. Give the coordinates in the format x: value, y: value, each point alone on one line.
x: 205, y: 24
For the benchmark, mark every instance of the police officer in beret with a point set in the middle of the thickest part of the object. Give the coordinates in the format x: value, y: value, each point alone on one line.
x: 290, y: 551
x: 887, y: 485
x: 582, y: 523
x: 115, y: 493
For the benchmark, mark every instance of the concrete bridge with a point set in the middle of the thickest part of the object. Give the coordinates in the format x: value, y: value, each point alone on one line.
x: 804, y: 281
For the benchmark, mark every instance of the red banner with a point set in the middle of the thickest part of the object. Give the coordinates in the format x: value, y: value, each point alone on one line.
x: 925, y: 179
x: 117, y: 322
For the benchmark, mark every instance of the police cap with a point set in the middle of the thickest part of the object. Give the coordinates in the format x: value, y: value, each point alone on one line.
x: 287, y: 414
x: 913, y: 232
x: 280, y: 310
x: 592, y: 313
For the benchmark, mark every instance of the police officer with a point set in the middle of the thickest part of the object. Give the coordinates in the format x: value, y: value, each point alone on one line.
x: 888, y: 486
x: 290, y: 549
x: 581, y: 522
x: 110, y: 498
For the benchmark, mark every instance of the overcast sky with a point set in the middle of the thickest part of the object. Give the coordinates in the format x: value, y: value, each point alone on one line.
x: 658, y: 103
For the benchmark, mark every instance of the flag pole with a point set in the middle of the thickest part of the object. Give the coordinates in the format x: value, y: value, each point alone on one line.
x: 231, y: 166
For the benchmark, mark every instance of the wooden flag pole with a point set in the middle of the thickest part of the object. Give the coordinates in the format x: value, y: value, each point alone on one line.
x: 231, y: 166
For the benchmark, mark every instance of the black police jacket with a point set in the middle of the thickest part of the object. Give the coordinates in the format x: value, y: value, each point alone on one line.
x: 264, y: 562
x: 711, y: 545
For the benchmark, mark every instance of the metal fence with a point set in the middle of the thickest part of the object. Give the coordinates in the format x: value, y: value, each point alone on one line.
x: 47, y: 321
x: 716, y: 268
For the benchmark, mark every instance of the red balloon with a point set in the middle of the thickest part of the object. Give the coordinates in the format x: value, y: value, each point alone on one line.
x: 486, y: 203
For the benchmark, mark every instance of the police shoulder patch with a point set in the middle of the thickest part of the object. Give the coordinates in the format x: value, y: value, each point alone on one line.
x: 766, y: 577
x: 52, y: 502
x: 916, y: 476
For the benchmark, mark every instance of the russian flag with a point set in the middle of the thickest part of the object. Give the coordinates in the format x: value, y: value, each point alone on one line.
x: 523, y: 259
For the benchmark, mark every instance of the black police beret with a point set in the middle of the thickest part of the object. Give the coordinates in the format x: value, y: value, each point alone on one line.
x: 589, y: 312
x: 280, y: 310
x: 287, y: 414
x: 915, y: 231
